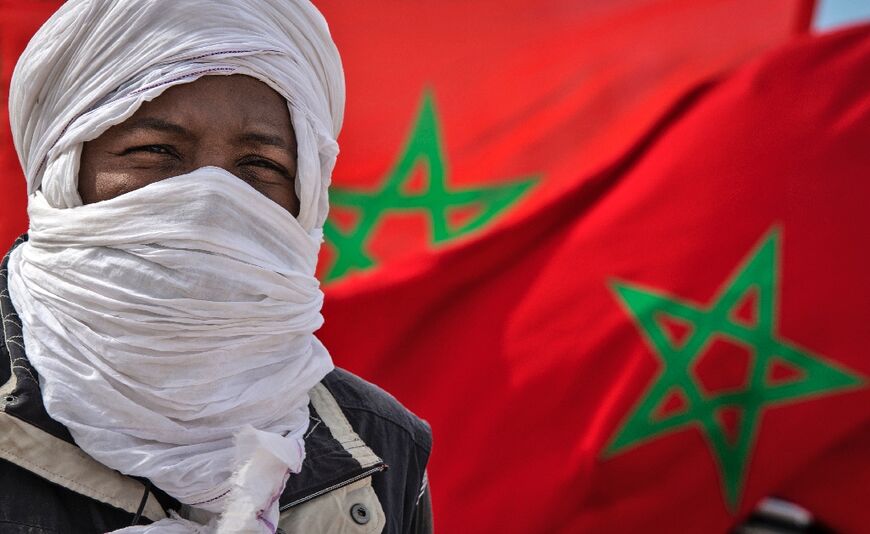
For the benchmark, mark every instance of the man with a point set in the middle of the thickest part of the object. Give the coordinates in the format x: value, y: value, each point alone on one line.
x: 159, y: 319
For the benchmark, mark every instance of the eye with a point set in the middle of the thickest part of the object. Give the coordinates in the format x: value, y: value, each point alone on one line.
x: 257, y: 161
x: 162, y: 150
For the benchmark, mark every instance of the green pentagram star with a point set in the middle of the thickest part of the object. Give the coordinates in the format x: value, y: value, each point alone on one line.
x: 756, y: 278
x: 423, y: 146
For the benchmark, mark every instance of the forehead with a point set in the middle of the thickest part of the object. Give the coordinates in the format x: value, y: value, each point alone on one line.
x: 227, y: 100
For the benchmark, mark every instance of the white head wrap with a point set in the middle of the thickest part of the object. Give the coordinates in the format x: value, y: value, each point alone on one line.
x: 96, y: 61
x: 167, y: 322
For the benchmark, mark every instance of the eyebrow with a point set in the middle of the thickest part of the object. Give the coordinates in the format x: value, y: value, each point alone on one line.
x: 260, y: 138
x: 150, y: 123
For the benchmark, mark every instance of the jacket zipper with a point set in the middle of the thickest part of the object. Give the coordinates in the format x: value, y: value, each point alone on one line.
x: 364, y: 474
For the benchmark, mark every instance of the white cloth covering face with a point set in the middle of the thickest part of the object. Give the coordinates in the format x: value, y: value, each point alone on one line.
x: 163, y: 321
x: 170, y: 322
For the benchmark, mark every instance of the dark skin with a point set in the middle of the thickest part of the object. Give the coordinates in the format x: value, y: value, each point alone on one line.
x: 234, y: 122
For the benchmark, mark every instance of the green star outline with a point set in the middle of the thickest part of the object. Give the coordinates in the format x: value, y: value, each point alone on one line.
x: 424, y: 145
x: 758, y: 271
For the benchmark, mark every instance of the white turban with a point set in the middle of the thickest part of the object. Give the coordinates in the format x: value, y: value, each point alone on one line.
x: 96, y: 61
x: 182, y: 313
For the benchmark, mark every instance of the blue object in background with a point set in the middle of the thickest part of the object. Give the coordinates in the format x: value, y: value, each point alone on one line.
x: 831, y: 14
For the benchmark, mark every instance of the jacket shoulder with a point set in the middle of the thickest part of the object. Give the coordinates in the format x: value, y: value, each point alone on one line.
x: 366, y: 400
x: 401, y: 439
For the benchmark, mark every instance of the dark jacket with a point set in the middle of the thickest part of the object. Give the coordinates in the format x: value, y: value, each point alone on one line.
x: 364, y: 469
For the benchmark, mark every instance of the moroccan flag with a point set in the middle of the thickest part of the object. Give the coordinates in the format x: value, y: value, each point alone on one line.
x: 666, y: 341
x: 463, y: 115
x: 465, y: 118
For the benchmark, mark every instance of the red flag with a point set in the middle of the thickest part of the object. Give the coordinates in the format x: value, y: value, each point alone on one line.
x: 462, y: 115
x: 665, y: 343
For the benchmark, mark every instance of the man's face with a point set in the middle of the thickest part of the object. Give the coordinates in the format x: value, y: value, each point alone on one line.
x: 234, y: 122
